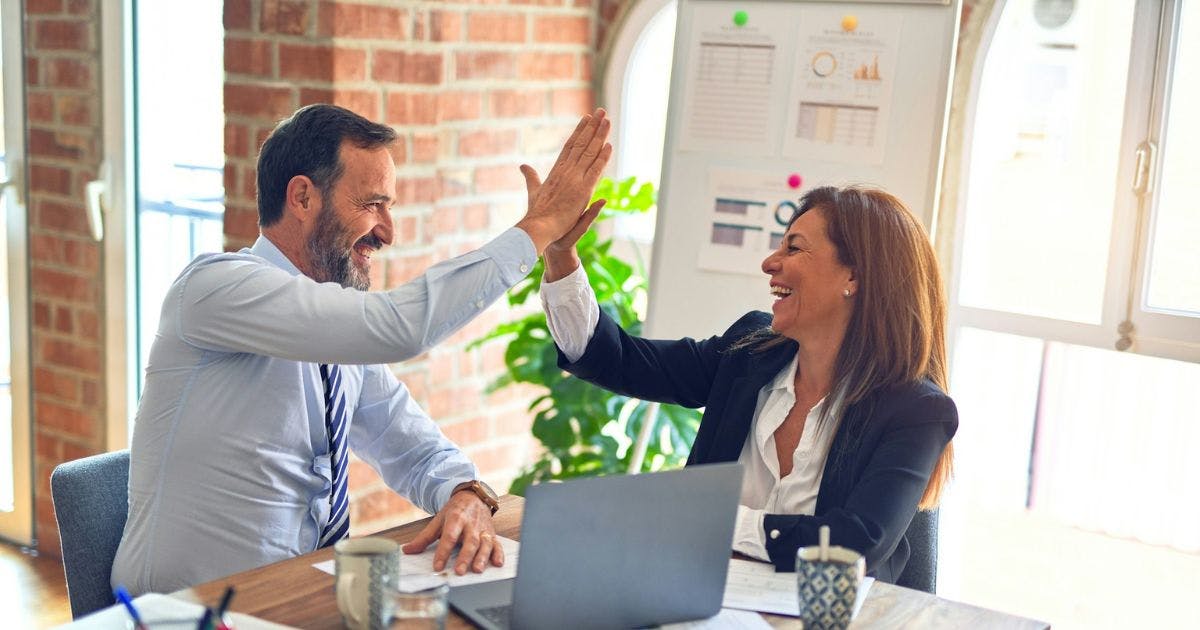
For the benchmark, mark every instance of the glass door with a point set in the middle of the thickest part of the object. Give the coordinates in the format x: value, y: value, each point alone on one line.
x: 16, y: 493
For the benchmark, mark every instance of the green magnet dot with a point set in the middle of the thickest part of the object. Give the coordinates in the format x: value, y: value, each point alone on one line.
x: 740, y: 18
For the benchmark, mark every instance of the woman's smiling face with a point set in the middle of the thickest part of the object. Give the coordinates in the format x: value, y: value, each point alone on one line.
x: 807, y: 279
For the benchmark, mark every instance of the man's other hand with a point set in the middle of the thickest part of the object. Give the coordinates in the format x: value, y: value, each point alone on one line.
x: 464, y: 520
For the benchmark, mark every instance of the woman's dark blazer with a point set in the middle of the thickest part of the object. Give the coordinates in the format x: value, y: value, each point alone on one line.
x: 879, y: 463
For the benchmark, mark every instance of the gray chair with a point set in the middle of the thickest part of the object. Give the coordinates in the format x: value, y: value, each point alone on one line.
x: 91, y: 498
x: 921, y: 571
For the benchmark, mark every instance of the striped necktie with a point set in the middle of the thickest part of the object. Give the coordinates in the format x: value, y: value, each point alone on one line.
x: 335, y: 425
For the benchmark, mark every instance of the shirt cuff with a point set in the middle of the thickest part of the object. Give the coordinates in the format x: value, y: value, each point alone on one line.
x: 565, y: 289
x: 513, y: 251
x: 447, y: 488
x: 748, y: 536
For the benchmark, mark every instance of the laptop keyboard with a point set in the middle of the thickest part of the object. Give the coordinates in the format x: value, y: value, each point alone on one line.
x: 498, y: 615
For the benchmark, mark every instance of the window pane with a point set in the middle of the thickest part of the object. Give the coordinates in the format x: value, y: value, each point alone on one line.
x: 1175, y: 257
x: 6, y: 471
x: 1044, y: 155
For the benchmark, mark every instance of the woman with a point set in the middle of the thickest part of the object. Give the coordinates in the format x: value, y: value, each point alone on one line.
x: 834, y: 402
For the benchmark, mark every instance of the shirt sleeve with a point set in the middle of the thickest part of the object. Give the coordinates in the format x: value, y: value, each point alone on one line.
x: 402, y: 443
x: 238, y: 304
x: 571, y: 312
x: 748, y: 536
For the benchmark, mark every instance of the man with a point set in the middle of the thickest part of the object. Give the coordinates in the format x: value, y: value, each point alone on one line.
x: 267, y: 364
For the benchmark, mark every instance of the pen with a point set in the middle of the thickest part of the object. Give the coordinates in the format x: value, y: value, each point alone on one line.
x: 220, y: 614
x: 122, y: 596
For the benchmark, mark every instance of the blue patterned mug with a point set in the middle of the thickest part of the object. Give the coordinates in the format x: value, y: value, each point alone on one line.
x: 828, y: 588
x: 365, y: 569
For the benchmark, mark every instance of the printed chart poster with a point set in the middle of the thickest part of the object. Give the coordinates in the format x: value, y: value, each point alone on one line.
x: 728, y: 101
x: 842, y: 87
x: 746, y: 220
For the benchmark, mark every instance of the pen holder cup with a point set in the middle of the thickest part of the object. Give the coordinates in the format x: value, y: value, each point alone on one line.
x: 827, y: 588
x: 365, y: 569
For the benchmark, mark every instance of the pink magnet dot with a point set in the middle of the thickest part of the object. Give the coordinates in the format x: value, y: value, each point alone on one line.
x: 794, y: 180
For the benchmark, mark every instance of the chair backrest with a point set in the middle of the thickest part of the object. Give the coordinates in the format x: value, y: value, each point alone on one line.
x: 91, y: 498
x: 921, y: 571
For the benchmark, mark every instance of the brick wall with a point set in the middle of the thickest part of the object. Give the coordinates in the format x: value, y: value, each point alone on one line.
x: 63, y: 107
x: 474, y: 89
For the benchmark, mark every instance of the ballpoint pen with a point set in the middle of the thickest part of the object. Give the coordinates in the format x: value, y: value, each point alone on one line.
x: 219, y: 615
x: 122, y: 596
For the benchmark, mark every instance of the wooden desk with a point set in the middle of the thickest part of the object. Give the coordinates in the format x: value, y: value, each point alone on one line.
x: 292, y: 592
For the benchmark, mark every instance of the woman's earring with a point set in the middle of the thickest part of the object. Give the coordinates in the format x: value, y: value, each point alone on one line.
x: 845, y: 292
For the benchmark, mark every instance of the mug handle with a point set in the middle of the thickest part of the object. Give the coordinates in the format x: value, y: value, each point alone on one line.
x: 345, y: 584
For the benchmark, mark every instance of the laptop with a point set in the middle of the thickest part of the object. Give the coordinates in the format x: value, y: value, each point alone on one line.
x: 616, y: 552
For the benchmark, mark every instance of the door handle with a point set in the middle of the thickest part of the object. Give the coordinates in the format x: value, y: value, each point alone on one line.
x: 94, y: 191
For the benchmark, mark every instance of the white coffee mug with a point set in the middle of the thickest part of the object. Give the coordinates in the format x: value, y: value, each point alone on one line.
x: 365, y: 568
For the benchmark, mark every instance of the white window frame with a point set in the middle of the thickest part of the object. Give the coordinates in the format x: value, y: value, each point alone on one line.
x: 1162, y: 335
x: 120, y: 285
x: 17, y: 526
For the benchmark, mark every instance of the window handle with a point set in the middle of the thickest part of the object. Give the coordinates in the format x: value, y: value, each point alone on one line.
x: 94, y: 191
x: 13, y: 182
x: 1142, y: 168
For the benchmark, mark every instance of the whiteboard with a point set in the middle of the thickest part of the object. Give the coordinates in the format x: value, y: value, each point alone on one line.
x: 834, y: 93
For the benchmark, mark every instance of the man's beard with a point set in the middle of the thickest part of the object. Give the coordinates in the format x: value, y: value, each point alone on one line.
x: 331, y: 256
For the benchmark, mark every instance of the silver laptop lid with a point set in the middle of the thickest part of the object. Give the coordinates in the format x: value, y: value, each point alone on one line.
x: 627, y: 551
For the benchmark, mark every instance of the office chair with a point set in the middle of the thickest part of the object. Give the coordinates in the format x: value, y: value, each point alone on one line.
x: 921, y: 571
x: 91, y: 497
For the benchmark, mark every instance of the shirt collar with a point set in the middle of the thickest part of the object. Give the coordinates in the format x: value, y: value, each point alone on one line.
x: 785, y: 379
x: 265, y: 249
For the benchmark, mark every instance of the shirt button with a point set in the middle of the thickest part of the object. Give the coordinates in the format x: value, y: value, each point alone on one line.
x: 478, y: 303
x: 774, y: 534
x: 524, y: 268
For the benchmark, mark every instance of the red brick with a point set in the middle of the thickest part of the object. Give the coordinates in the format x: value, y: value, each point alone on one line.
x: 406, y: 230
x: 62, y: 285
x: 322, y: 63
x: 490, y: 459
x: 47, y: 249
x: 63, y: 217
x: 41, y: 314
x: 362, y: 102
x: 63, y: 418
x: 487, y: 142
x: 476, y: 217
x: 446, y: 402
x: 89, y: 325
x: 43, y: 7
x: 32, y: 77
x: 286, y: 17
x: 82, y: 7
x: 404, y: 67
x: 83, y: 255
x: 425, y: 148
x: 249, y: 56
x: 540, y: 3
x: 237, y: 15
x: 575, y: 101
x: 241, y: 224
x: 360, y: 21
x: 492, y: 179
x: 57, y: 384
x: 49, y: 179
x: 445, y: 26
x: 485, y: 65
x: 63, y: 35
x: 47, y: 447
x: 541, y: 66
x: 562, y: 29
x: 74, y: 109
x: 91, y: 393
x: 496, y: 27
x: 585, y: 68
x: 237, y: 141
x: 459, y: 105
x: 517, y: 103
x: 517, y: 422
x: 63, y: 322
x: 259, y: 100
x: 416, y: 190
x: 454, y: 182
x: 39, y: 106
x: 60, y: 144
x: 412, y: 109
x: 469, y: 431
x: 68, y: 73
x: 443, y: 221
x: 57, y: 352
x: 379, y: 504
x: 403, y: 269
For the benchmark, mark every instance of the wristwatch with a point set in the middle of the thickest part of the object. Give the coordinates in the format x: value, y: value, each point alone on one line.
x: 483, y: 491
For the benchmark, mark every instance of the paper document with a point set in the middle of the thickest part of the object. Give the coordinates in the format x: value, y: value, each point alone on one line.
x: 747, y: 216
x: 727, y: 619
x: 416, y: 570
x: 753, y: 585
x: 164, y: 611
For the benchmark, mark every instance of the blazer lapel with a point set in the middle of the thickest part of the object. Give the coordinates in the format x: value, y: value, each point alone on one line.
x: 737, y: 413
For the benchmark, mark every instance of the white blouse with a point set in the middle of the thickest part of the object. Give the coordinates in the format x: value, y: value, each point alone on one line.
x: 572, y: 315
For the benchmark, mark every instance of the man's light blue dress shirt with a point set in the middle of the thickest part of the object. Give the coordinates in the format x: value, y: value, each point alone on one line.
x: 230, y: 463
